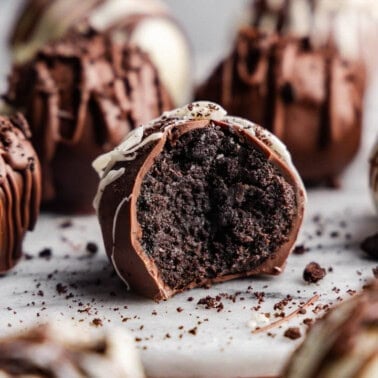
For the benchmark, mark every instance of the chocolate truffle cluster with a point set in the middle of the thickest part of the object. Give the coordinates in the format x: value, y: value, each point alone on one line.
x: 196, y: 197
x: 20, y: 188
x: 304, y: 85
x: 82, y: 95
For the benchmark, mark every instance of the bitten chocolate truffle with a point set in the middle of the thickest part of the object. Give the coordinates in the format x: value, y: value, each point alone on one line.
x: 373, y: 174
x: 197, y: 197
x: 64, y: 351
x: 81, y: 96
x: 20, y: 188
x: 148, y: 24
x: 305, y: 91
x: 342, y: 344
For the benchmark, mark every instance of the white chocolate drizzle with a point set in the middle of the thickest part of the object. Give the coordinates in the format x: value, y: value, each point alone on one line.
x: 200, y: 110
x: 346, y: 21
x: 115, y: 220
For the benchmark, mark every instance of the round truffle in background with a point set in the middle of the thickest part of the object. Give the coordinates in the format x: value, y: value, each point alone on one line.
x: 72, y: 352
x: 81, y: 96
x: 342, y: 344
x: 197, y: 197
x: 147, y: 24
x: 373, y: 174
x: 305, y: 88
x: 20, y: 188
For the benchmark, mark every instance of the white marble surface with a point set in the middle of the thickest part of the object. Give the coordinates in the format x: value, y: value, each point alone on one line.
x: 223, y: 345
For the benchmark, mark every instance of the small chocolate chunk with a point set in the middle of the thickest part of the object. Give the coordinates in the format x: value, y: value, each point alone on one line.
x: 45, y: 253
x: 92, y: 248
x: 370, y: 246
x: 293, y: 333
x: 313, y: 272
x: 375, y: 272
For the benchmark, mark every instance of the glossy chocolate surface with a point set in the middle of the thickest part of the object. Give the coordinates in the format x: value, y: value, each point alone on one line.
x: 20, y: 188
x: 82, y: 95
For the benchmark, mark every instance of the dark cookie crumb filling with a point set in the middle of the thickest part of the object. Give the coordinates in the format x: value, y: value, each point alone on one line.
x: 213, y: 205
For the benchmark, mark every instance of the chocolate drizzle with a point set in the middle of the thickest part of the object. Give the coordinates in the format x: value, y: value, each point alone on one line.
x: 19, y: 188
x: 309, y: 97
x: 84, y: 94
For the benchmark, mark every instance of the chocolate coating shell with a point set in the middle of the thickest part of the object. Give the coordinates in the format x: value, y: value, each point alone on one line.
x: 122, y: 173
x: 20, y: 188
x: 310, y: 98
x: 81, y: 97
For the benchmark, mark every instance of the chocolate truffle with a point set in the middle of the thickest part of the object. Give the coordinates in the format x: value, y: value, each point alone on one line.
x: 20, y: 188
x: 197, y: 197
x: 147, y: 24
x: 82, y: 95
x: 342, y: 344
x: 373, y: 174
x: 65, y: 351
x: 306, y: 93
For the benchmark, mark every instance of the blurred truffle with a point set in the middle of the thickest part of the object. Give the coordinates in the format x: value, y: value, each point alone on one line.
x: 299, y: 69
x: 373, y: 174
x: 20, y: 188
x: 82, y: 95
x: 342, y: 344
x: 63, y: 351
x: 197, y: 197
x: 147, y: 24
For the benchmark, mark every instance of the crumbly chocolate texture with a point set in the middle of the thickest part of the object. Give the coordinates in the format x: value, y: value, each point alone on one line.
x: 205, y: 201
x: 82, y: 95
x: 20, y: 188
x: 343, y: 341
x: 72, y: 352
x: 311, y: 98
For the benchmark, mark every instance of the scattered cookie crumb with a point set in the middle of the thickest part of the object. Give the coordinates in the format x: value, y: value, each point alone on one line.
x: 299, y: 250
x: 313, y: 272
x: 97, y: 322
x: 92, y: 248
x: 293, y: 333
